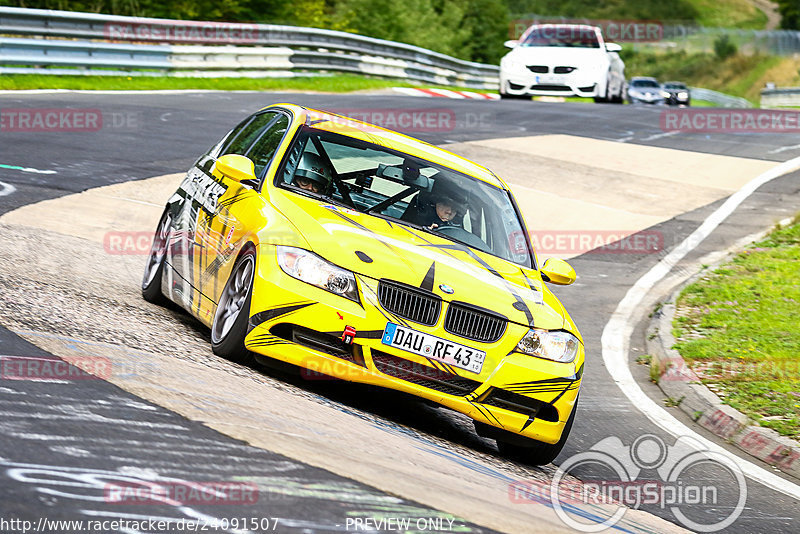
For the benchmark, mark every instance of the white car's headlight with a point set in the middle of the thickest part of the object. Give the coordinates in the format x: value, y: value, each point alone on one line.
x: 556, y: 345
x: 312, y: 269
x: 512, y: 62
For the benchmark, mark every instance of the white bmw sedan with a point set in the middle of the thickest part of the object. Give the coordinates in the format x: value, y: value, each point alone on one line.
x: 563, y: 60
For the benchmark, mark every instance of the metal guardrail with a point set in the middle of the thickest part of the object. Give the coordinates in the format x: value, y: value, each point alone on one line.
x: 698, y: 38
x: 81, y: 53
x: 720, y: 99
x: 780, y: 97
x: 298, y: 48
x: 113, y: 45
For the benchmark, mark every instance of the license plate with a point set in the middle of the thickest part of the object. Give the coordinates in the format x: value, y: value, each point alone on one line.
x: 545, y: 79
x: 433, y: 347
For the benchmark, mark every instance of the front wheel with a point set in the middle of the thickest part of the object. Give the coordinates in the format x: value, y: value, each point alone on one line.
x: 606, y: 97
x: 537, y: 452
x: 151, y: 282
x: 229, y: 327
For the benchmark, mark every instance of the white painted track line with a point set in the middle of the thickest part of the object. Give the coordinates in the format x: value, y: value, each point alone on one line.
x: 618, y: 330
x: 447, y: 93
x: 6, y: 189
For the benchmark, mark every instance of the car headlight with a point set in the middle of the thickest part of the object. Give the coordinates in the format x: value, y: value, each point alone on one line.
x: 509, y: 63
x: 683, y: 95
x: 556, y: 345
x: 312, y: 269
x: 664, y: 94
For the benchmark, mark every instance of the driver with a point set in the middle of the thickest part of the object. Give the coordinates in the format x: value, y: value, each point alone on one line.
x: 443, y: 206
x: 446, y: 208
x: 312, y: 174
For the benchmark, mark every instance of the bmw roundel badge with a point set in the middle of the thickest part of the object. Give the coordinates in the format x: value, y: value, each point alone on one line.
x: 446, y: 289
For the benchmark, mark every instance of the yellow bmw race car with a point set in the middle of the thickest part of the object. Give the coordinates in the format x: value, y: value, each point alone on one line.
x: 356, y: 252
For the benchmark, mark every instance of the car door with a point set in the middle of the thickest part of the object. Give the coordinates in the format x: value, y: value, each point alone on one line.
x: 212, y: 214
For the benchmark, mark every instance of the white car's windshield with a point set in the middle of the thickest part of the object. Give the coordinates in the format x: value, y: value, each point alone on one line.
x: 373, y: 179
x: 561, y: 36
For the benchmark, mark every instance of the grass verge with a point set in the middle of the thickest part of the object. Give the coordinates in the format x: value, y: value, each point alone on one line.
x: 325, y: 84
x: 739, y: 75
x: 738, y: 328
x: 729, y: 14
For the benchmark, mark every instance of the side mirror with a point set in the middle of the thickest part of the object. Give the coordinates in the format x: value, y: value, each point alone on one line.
x: 557, y: 271
x: 613, y: 47
x: 236, y: 167
x: 511, y: 43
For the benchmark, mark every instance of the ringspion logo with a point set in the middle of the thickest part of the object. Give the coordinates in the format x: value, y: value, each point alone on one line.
x: 676, y: 478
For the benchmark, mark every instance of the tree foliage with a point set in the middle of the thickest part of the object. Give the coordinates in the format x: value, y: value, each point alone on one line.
x: 790, y: 14
x: 468, y: 29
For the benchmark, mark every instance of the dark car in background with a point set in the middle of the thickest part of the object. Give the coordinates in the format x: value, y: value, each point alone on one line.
x: 676, y: 94
x: 645, y: 90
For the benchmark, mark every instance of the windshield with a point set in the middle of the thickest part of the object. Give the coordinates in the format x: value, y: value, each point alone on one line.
x: 408, y: 190
x: 674, y: 86
x: 561, y: 36
x: 644, y: 83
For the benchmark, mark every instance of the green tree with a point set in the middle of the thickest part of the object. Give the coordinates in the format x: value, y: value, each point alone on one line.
x: 487, y: 27
x: 724, y: 47
x: 414, y: 22
x: 790, y: 14
x: 608, y: 9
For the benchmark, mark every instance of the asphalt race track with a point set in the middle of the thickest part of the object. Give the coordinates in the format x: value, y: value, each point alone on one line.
x: 63, y: 443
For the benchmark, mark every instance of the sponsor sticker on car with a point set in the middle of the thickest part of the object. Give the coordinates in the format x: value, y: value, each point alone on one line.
x: 433, y: 347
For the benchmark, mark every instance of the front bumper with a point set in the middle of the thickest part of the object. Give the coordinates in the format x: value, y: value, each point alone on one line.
x: 673, y: 100
x: 302, y: 325
x: 646, y: 99
x: 529, y: 84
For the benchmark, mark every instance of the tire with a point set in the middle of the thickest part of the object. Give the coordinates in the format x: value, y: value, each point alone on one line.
x: 619, y: 98
x: 603, y: 99
x: 537, y: 452
x: 229, y: 326
x: 154, y: 269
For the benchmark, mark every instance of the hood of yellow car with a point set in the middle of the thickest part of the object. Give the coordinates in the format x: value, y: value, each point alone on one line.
x: 382, y: 249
